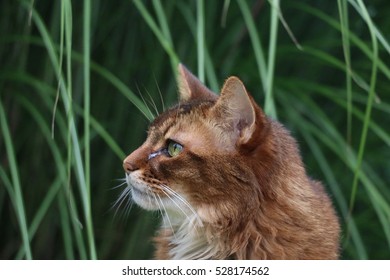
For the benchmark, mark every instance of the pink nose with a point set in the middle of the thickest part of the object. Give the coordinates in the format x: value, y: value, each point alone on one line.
x: 137, y: 159
x: 128, y: 167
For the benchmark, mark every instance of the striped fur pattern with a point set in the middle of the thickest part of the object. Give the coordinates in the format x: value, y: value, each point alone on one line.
x: 237, y: 189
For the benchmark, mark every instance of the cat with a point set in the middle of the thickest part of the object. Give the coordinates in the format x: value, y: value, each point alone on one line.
x: 229, y: 181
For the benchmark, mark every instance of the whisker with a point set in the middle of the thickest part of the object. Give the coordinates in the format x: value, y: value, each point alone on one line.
x: 120, y: 200
x: 181, y: 209
x: 183, y: 200
x: 152, y: 103
x: 161, y: 203
x: 159, y: 206
x: 146, y: 104
x: 178, y: 206
x: 177, y: 111
x: 129, y: 205
x: 161, y: 96
x: 191, y: 221
x: 120, y: 185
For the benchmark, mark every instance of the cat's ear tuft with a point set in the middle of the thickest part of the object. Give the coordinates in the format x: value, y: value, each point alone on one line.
x: 190, y: 88
x: 237, y: 107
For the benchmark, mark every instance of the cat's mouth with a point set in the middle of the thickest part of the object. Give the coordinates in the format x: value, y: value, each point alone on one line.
x: 138, y: 193
x: 165, y: 200
x: 145, y: 199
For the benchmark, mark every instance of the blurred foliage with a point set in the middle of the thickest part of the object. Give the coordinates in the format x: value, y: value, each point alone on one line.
x: 133, y: 48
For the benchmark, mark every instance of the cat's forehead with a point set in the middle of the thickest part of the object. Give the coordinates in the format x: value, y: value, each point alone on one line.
x: 179, y: 114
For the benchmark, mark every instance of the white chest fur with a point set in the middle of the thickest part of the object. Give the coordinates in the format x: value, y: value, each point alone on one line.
x: 190, y: 240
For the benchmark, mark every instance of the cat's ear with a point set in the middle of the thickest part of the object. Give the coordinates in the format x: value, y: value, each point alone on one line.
x: 190, y: 88
x: 236, y: 106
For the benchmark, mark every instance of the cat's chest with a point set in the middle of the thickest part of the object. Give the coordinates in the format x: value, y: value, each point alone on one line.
x: 188, y: 239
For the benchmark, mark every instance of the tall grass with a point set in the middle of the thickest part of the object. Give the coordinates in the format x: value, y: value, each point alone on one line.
x: 77, y: 79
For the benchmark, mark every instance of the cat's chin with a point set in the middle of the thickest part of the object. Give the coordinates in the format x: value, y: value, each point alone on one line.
x: 144, y: 199
x: 140, y: 193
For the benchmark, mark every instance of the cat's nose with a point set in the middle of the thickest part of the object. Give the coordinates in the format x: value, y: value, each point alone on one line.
x: 128, y: 166
x: 137, y: 159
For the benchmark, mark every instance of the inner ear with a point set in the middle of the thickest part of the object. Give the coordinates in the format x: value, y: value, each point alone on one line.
x: 190, y: 88
x: 237, y: 108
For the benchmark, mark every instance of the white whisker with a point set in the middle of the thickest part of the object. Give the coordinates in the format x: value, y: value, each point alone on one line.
x: 160, y: 208
x: 174, y: 202
x: 146, y: 104
x: 122, y: 197
x: 129, y: 205
x: 184, y: 201
x: 192, y: 222
x: 161, y: 96
x: 152, y: 103
x: 120, y: 185
x: 161, y: 203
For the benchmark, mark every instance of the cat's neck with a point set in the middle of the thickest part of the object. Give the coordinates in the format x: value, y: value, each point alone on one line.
x: 186, y: 237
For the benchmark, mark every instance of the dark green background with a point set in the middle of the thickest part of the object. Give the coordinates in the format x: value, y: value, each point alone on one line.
x: 309, y: 93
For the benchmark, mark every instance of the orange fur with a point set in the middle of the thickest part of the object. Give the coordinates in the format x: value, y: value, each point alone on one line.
x: 237, y: 190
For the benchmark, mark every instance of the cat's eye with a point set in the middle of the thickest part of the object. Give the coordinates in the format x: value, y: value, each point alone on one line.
x: 174, y: 148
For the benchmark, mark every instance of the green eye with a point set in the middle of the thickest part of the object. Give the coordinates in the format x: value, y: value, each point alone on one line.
x: 174, y: 148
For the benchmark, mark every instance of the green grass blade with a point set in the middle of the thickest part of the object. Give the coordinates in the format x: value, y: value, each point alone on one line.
x: 200, y: 39
x: 361, y: 9
x: 61, y: 55
x: 343, y: 12
x: 162, y: 21
x: 225, y: 10
x: 74, y: 152
x: 107, y: 138
x: 371, y: 96
x: 212, y: 80
x: 382, y: 65
x: 87, y: 124
x: 66, y: 227
x: 41, y: 88
x: 8, y: 186
x: 73, y: 144
x: 256, y: 43
x: 17, y: 188
x: 61, y: 181
x: 337, y: 97
x: 269, y: 106
x: 160, y: 36
x: 120, y: 86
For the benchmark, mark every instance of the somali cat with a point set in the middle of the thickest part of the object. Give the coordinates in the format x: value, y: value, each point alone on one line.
x: 229, y: 182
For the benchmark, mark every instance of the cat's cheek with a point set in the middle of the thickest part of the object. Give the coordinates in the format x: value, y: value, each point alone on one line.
x: 167, y: 170
x: 207, y: 214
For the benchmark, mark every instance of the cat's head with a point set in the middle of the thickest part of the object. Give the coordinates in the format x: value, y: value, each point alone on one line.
x: 197, y: 156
